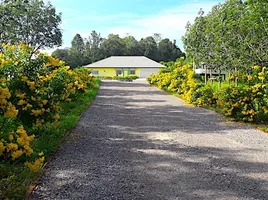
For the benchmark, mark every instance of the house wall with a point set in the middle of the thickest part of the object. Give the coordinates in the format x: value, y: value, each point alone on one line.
x: 111, y: 72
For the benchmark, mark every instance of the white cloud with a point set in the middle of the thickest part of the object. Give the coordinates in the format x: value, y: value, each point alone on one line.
x: 170, y: 23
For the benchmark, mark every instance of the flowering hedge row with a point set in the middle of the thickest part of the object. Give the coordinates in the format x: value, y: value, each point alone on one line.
x: 32, y: 87
x: 247, y: 102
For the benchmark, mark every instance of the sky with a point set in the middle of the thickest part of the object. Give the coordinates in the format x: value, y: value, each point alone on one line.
x: 139, y: 18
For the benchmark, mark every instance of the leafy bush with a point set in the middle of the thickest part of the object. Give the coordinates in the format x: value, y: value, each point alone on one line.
x: 179, y: 79
x: 247, y: 102
x: 32, y: 88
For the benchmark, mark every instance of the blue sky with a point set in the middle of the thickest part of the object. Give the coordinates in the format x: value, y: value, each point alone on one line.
x: 140, y: 18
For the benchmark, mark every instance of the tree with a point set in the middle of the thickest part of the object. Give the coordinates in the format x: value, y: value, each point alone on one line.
x: 93, y: 50
x: 113, y: 46
x: 32, y: 21
x: 131, y: 46
x: 148, y: 47
x: 157, y: 37
x: 78, y: 44
x: 62, y: 54
x: 77, y: 52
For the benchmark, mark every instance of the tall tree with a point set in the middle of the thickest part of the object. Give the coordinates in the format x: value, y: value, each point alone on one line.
x: 131, y: 46
x: 165, y: 49
x: 148, y: 47
x: 113, y: 46
x: 157, y: 37
x: 62, y: 54
x: 93, y: 46
x: 78, y: 44
x: 77, y: 51
x: 31, y: 21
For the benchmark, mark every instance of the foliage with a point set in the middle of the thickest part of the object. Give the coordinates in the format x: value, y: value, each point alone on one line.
x: 94, y: 48
x: 179, y: 78
x: 246, y: 102
x: 232, y: 36
x: 31, y: 91
x: 40, y: 100
x: 33, y: 21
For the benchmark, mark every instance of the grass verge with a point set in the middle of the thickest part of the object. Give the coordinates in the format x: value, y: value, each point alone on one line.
x: 15, y: 179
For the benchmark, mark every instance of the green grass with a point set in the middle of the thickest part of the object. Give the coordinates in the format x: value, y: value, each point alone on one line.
x: 216, y: 87
x: 15, y: 179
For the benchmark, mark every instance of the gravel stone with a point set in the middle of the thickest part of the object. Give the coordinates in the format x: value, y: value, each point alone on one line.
x: 136, y: 142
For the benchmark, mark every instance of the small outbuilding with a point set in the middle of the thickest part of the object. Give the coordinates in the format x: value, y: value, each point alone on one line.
x: 140, y: 66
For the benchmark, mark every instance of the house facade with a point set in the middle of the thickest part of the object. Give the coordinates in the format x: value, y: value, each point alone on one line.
x: 140, y: 66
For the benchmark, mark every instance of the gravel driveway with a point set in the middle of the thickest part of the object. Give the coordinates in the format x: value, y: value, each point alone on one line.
x: 136, y: 142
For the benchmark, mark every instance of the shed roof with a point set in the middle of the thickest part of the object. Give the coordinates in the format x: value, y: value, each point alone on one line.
x: 126, y: 62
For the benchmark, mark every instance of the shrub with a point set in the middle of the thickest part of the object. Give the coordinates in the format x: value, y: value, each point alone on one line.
x: 247, y: 102
x: 32, y: 87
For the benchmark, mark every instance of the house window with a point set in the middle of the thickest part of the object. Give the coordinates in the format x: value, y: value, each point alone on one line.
x: 95, y: 72
x: 132, y: 72
x: 119, y: 72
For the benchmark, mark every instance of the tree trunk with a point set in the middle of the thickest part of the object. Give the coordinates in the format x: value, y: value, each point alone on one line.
x: 236, y: 77
x: 219, y: 78
x: 205, y: 74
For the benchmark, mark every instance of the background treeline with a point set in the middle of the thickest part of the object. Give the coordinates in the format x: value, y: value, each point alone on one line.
x: 232, y: 37
x: 94, y: 48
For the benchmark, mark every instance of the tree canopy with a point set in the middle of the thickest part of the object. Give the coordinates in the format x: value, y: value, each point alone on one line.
x: 232, y: 35
x: 32, y: 21
x: 94, y: 48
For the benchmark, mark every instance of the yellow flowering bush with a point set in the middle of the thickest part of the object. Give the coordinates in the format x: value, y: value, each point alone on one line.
x: 177, y: 78
x: 16, y: 144
x: 248, y: 102
x: 205, y: 96
x: 245, y: 103
x: 32, y: 87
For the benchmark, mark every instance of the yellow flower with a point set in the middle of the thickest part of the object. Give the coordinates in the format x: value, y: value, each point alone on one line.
x: 21, y: 96
x: 21, y: 141
x: 29, y: 151
x: 24, y: 78
x: 16, y: 154
x: 33, y: 98
x: 40, y: 154
x: 11, y: 111
x: 256, y: 67
x: 29, y: 105
x: 20, y: 130
x: 56, y: 117
x: 45, y: 102
x: 36, y: 166
x: 21, y: 102
x: 2, y: 148
x: 36, y: 112
x: 4, y: 93
x: 10, y: 137
x: 42, y: 159
x: 12, y: 147
x: 31, y: 84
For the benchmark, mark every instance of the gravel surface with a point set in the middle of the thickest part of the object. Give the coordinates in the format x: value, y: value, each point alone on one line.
x: 136, y: 142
